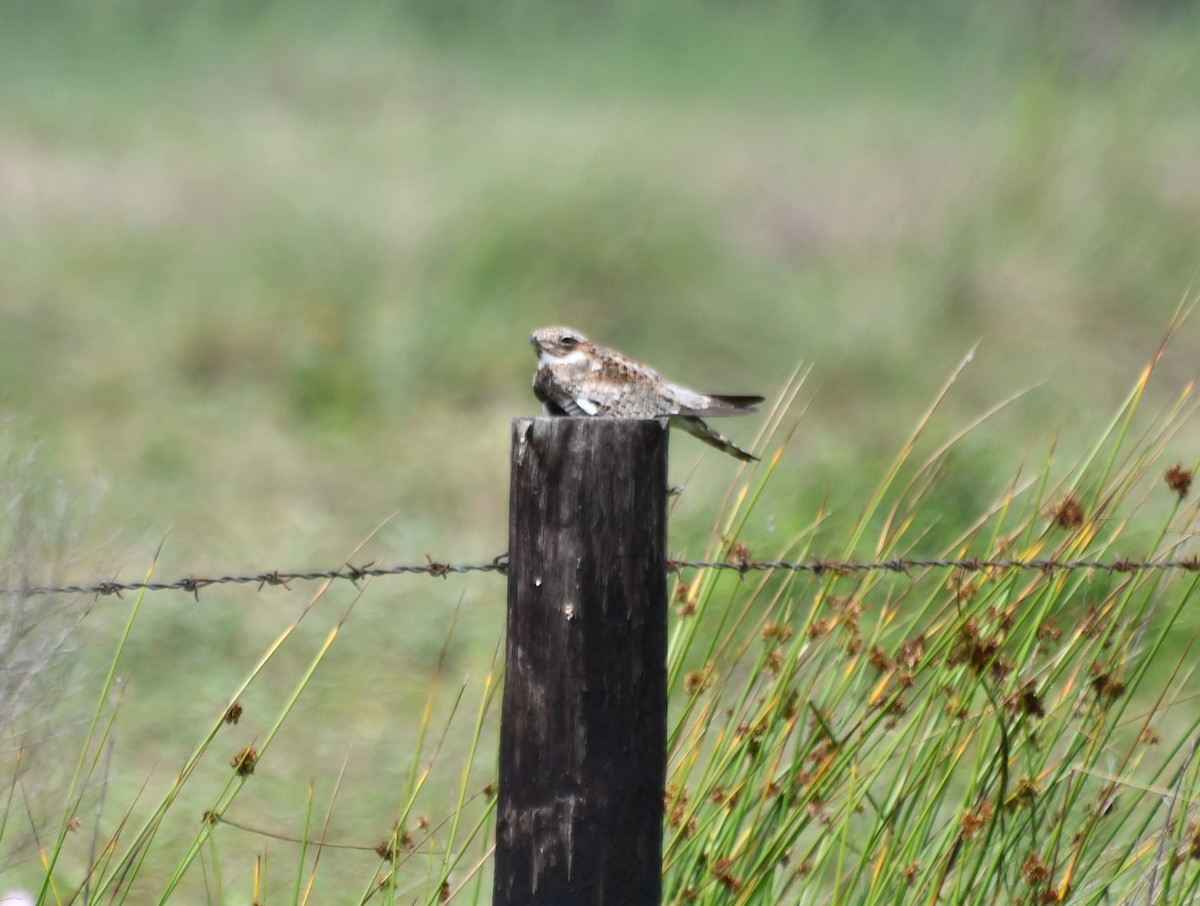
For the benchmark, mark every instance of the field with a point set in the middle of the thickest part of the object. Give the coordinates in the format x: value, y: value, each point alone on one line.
x: 269, y: 272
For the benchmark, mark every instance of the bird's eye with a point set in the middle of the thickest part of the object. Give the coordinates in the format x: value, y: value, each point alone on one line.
x: 568, y: 341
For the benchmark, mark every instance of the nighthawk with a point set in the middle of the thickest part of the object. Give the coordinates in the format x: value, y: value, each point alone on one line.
x: 578, y: 377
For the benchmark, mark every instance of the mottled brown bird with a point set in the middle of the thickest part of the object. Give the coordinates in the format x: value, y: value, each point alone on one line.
x: 578, y: 377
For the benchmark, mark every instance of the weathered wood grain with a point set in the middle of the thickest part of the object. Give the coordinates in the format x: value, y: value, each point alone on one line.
x: 583, y: 736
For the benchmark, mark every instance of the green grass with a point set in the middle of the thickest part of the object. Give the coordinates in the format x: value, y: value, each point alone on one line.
x: 861, y: 737
x: 270, y: 269
x: 1001, y: 736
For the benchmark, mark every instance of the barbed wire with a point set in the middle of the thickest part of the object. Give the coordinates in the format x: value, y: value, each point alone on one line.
x: 194, y: 584
x: 967, y: 564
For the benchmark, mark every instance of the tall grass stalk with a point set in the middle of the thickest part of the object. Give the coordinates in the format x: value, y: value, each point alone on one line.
x: 998, y: 736
x: 126, y: 867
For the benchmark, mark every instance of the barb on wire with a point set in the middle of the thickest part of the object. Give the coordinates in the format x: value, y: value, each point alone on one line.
x: 499, y: 564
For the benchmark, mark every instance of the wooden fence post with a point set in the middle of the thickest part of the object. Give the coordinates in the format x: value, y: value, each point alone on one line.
x: 584, y: 719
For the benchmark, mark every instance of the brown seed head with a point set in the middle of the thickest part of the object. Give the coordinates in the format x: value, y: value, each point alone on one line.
x: 244, y: 761
x: 1067, y: 513
x: 1179, y: 480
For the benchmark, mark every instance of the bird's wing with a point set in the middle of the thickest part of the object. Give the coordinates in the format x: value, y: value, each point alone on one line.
x: 557, y: 397
x: 698, y: 428
x: 609, y: 384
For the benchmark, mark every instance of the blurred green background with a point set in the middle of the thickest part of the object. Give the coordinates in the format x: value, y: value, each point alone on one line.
x: 268, y: 272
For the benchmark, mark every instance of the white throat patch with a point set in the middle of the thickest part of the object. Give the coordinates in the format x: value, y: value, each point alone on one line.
x: 574, y: 357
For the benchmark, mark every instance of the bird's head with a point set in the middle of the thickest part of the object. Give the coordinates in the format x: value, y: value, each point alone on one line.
x: 558, y: 343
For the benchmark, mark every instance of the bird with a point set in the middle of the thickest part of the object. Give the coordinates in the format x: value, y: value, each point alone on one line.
x: 578, y: 377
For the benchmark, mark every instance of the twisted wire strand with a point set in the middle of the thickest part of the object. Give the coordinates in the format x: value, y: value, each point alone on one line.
x: 965, y: 564
x: 817, y: 566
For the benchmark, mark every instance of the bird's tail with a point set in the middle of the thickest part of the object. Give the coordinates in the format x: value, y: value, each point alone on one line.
x: 741, y: 403
x: 709, y: 404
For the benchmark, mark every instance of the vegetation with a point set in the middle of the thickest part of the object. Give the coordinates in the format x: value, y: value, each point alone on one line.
x: 967, y: 736
x: 839, y: 735
x: 269, y: 275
